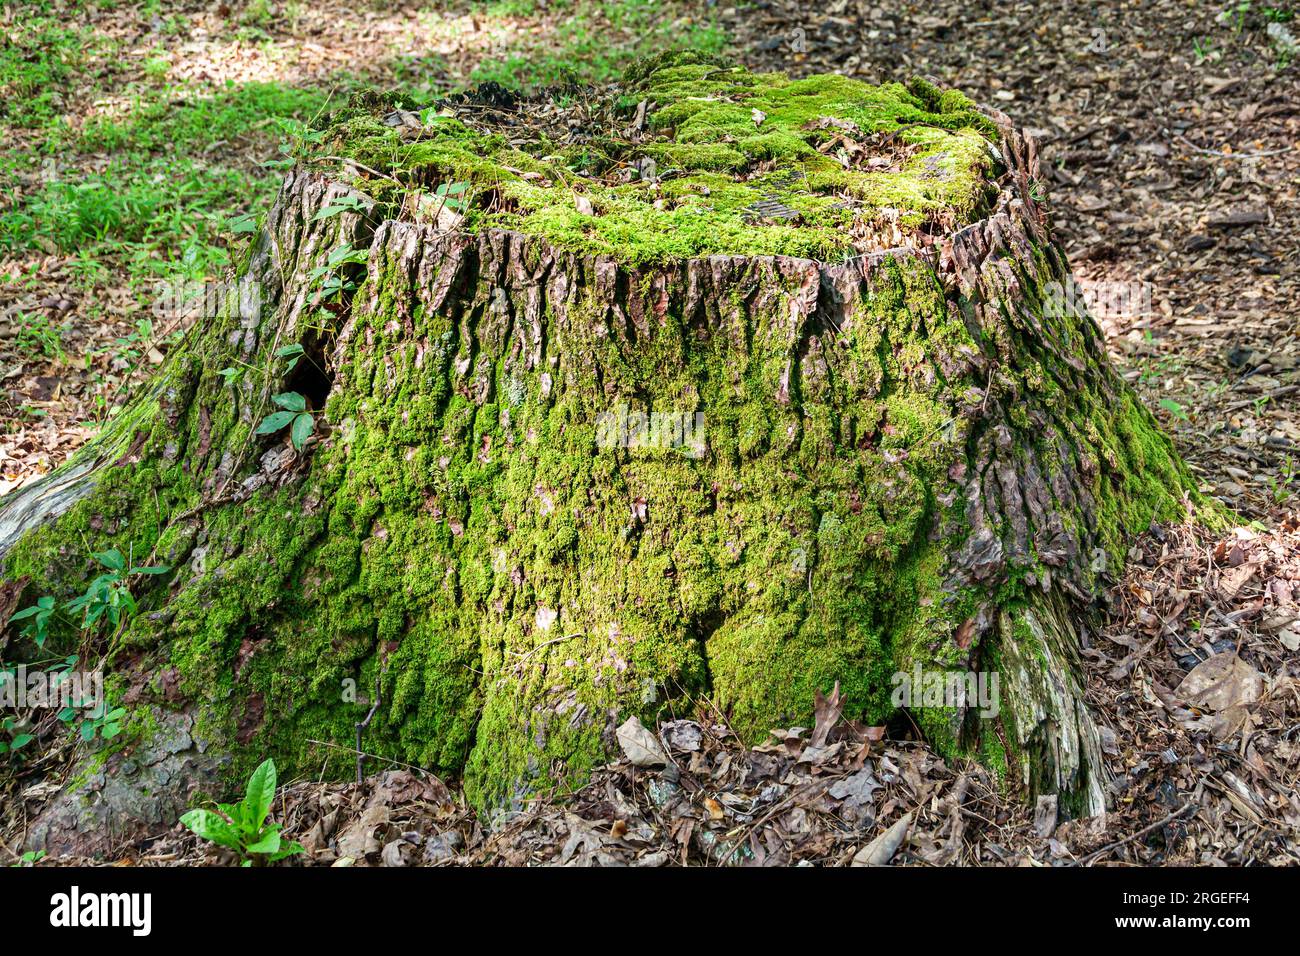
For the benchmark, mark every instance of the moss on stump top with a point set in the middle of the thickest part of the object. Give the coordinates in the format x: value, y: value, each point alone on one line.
x: 687, y: 157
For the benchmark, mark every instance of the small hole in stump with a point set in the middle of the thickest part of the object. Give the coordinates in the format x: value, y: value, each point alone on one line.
x: 310, y: 377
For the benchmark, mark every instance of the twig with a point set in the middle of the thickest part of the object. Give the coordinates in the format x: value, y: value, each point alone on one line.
x: 1087, y: 860
x: 555, y: 640
x: 364, y: 168
x: 1222, y: 155
x: 360, y: 753
x: 1275, y: 393
x: 366, y: 723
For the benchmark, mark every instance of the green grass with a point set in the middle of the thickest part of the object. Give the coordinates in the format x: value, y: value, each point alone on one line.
x: 37, y: 60
x: 579, y: 51
x: 37, y: 336
x: 180, y: 163
x: 141, y: 176
x: 142, y: 208
x: 510, y: 8
x: 163, y: 203
x: 171, y: 120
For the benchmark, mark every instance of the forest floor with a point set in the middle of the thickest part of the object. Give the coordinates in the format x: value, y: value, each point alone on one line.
x: 138, y: 135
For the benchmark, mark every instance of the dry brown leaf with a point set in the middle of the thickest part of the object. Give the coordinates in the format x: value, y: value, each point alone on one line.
x: 827, y: 710
x: 1221, y: 682
x: 881, y: 850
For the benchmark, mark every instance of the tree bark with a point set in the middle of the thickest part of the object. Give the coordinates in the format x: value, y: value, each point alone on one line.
x: 907, y: 460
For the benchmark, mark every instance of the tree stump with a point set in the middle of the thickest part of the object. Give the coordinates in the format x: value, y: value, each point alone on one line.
x: 713, y: 386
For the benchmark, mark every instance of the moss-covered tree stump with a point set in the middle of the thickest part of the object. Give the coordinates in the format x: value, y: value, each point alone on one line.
x: 715, y: 385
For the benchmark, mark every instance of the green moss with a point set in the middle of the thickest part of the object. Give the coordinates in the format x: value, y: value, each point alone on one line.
x: 723, y: 141
x: 470, y: 545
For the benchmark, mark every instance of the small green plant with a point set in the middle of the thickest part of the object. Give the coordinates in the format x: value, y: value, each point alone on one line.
x: 1236, y: 15
x: 156, y: 68
x: 38, y: 336
x: 30, y: 858
x: 349, y: 203
x: 128, y: 347
x: 1174, y: 409
x: 452, y: 195
x: 12, y: 737
x: 257, y: 13
x: 292, y: 353
x: 242, y: 826
x: 293, y: 412
x: 38, y: 617
x: 242, y: 224
x: 335, y: 284
x: 108, y: 595
x: 1281, y: 484
x: 107, y: 598
x: 103, y: 720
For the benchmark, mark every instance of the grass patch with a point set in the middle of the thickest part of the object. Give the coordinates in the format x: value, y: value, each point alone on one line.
x: 133, y: 176
x: 173, y: 121
x: 596, y: 41
x: 37, y: 61
x: 125, y: 204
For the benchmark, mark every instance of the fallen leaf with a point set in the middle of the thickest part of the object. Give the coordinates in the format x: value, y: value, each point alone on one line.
x: 639, y: 745
x: 358, y: 840
x: 827, y: 711
x: 1220, y: 682
x: 392, y: 853
x: 882, y: 849
x: 685, y: 735
x: 856, y: 790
